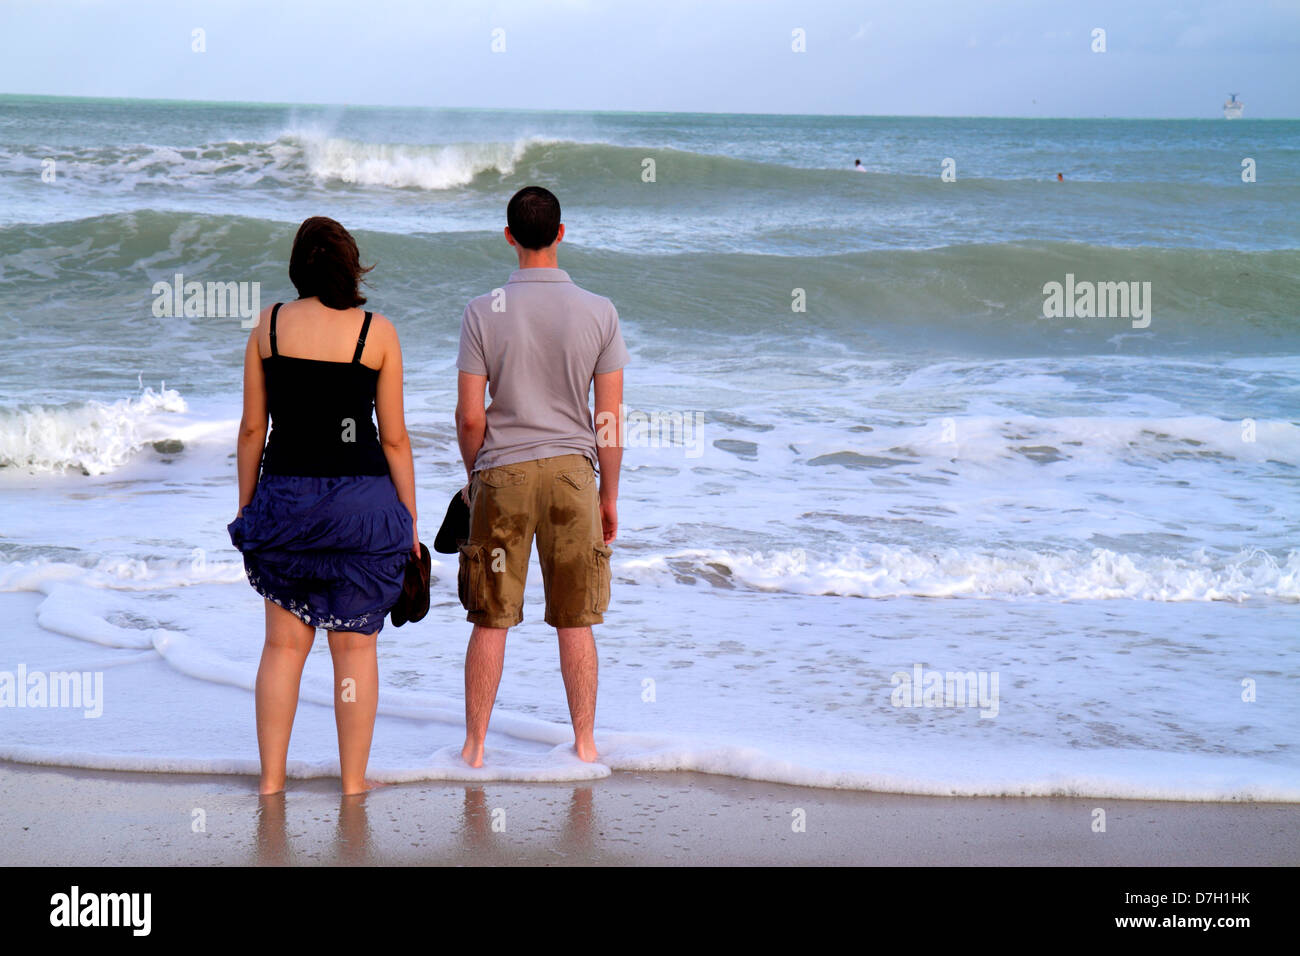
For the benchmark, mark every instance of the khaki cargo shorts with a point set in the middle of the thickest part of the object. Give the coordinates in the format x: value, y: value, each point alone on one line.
x: 556, y: 499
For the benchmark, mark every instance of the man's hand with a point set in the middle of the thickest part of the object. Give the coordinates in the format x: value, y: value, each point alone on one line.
x: 609, y: 518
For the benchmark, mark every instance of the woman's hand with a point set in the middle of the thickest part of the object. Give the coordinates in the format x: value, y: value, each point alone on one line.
x: 416, y: 546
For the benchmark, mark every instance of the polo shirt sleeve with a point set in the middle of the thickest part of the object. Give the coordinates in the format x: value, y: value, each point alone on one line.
x: 470, y: 358
x: 613, y: 353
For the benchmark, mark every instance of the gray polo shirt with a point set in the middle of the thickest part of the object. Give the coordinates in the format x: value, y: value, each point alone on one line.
x: 539, y: 340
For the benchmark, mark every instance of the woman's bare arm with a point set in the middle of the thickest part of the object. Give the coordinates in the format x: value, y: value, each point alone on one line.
x: 391, y: 418
x: 252, y: 424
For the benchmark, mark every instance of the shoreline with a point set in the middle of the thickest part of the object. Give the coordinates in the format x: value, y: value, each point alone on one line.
x: 71, y: 817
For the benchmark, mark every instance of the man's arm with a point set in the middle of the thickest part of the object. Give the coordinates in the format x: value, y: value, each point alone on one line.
x: 609, y: 402
x: 471, y: 418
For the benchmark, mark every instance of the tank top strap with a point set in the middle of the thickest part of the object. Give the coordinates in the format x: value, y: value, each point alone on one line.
x: 275, y: 312
x: 361, y: 339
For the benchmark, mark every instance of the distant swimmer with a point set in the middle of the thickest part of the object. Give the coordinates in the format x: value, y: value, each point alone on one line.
x: 1060, y: 178
x: 857, y: 164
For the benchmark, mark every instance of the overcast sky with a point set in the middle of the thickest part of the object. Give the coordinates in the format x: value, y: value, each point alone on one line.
x: 1164, y: 58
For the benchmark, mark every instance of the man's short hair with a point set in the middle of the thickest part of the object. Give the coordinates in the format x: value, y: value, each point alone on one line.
x: 533, y: 217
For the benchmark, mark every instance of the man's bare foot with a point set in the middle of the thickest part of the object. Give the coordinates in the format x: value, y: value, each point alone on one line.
x: 586, y: 750
x: 472, y: 754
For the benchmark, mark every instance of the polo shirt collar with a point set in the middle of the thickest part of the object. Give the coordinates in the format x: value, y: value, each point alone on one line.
x: 539, y: 275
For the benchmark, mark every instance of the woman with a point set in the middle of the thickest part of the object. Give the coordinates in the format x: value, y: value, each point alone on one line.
x: 326, y: 529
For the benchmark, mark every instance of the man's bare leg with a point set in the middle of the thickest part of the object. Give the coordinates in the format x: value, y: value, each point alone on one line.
x: 579, y: 666
x: 484, y: 659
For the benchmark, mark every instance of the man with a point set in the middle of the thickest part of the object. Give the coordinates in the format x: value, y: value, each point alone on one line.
x: 857, y: 164
x: 537, y: 345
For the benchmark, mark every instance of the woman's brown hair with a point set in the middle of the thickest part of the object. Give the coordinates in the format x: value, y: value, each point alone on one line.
x: 325, y: 263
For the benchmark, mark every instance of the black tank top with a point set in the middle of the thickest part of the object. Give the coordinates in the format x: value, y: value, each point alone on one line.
x: 321, y: 414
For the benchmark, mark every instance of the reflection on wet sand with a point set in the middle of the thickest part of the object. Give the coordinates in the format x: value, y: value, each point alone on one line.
x: 487, y: 830
x: 353, y: 830
x: 483, y: 826
x: 272, y: 841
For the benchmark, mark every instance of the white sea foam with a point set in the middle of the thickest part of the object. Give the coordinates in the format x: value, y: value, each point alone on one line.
x: 877, y: 571
x: 741, y: 691
x: 433, y: 167
x: 47, y: 576
x: 93, y: 437
x: 313, y: 150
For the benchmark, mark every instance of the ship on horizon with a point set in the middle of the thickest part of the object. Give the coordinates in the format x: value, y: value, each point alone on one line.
x: 1232, y: 107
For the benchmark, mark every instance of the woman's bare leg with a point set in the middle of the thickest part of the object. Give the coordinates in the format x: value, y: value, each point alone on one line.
x: 356, y: 698
x: 288, y: 640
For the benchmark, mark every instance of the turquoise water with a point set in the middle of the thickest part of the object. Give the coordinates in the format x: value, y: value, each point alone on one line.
x: 918, y: 466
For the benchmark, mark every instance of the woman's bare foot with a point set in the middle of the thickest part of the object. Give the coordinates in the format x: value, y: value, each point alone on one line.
x: 472, y: 754
x: 267, y: 786
x: 365, y: 787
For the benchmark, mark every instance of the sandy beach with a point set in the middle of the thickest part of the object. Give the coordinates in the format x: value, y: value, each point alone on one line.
x: 55, y: 816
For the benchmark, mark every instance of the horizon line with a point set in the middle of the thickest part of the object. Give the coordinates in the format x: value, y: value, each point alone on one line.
x: 513, y: 109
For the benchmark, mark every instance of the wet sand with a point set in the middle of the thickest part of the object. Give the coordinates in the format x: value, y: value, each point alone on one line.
x: 56, y: 816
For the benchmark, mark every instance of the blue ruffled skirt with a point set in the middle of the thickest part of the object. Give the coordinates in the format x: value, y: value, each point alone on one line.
x: 331, y: 550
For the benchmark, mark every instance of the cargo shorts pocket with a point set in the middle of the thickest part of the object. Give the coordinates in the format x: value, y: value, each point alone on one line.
x: 469, y: 579
x: 600, y: 577
x: 501, y: 477
x: 580, y: 478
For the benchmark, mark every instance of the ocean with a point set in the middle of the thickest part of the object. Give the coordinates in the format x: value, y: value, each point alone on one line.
x: 886, y: 523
